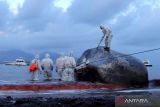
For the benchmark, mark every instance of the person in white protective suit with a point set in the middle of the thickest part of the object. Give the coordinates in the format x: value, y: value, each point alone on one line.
x: 68, y: 73
x: 60, y: 65
x: 107, y: 34
x: 47, y: 67
x: 34, y: 75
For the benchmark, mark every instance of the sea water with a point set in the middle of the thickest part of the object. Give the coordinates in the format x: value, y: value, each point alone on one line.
x: 19, y: 74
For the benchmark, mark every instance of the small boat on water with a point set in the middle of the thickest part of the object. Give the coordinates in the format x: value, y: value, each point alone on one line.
x: 19, y: 62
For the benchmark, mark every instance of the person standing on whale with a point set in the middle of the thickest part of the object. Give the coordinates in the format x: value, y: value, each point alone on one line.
x: 107, y: 34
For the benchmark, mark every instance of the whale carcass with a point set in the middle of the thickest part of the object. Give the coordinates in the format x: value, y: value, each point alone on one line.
x: 98, y: 65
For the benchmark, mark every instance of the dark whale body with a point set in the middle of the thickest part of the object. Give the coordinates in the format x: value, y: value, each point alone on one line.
x: 112, y: 68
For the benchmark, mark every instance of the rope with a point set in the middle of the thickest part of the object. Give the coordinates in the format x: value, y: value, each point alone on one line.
x: 123, y: 55
x: 141, y: 52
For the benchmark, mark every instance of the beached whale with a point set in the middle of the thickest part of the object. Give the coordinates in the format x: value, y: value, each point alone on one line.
x: 111, y: 67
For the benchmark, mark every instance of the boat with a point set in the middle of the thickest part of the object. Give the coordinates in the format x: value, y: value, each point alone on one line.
x: 18, y: 62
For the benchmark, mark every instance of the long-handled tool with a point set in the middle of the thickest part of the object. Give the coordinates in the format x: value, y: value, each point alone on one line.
x: 100, y: 42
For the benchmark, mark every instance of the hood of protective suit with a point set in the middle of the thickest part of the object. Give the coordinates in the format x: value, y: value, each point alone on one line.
x: 37, y: 57
x: 47, y: 56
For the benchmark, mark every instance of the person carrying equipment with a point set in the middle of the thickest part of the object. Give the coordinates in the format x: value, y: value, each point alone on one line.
x: 35, y: 68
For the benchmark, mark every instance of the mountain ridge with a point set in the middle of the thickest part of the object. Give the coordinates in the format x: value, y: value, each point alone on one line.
x: 12, y: 55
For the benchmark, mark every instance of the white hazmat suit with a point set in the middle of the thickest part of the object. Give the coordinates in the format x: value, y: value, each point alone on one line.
x: 47, y: 67
x: 69, y: 65
x: 108, y: 36
x: 34, y: 75
x: 60, y: 65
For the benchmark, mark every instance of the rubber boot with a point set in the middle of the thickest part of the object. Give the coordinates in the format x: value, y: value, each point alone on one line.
x: 107, y: 49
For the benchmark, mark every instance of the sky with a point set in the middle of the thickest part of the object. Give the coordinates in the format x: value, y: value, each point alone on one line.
x: 73, y: 25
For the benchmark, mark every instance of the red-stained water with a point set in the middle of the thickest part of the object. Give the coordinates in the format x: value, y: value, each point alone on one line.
x: 57, y: 86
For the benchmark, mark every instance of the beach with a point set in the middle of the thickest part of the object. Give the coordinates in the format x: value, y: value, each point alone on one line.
x: 16, y: 90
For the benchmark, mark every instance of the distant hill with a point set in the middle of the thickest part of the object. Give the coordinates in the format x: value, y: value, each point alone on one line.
x: 12, y: 55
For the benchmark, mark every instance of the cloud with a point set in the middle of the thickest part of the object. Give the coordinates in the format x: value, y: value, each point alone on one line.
x: 35, y: 15
x: 139, y: 27
x: 96, y: 12
x: 4, y: 14
x: 39, y: 25
x: 2, y: 33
